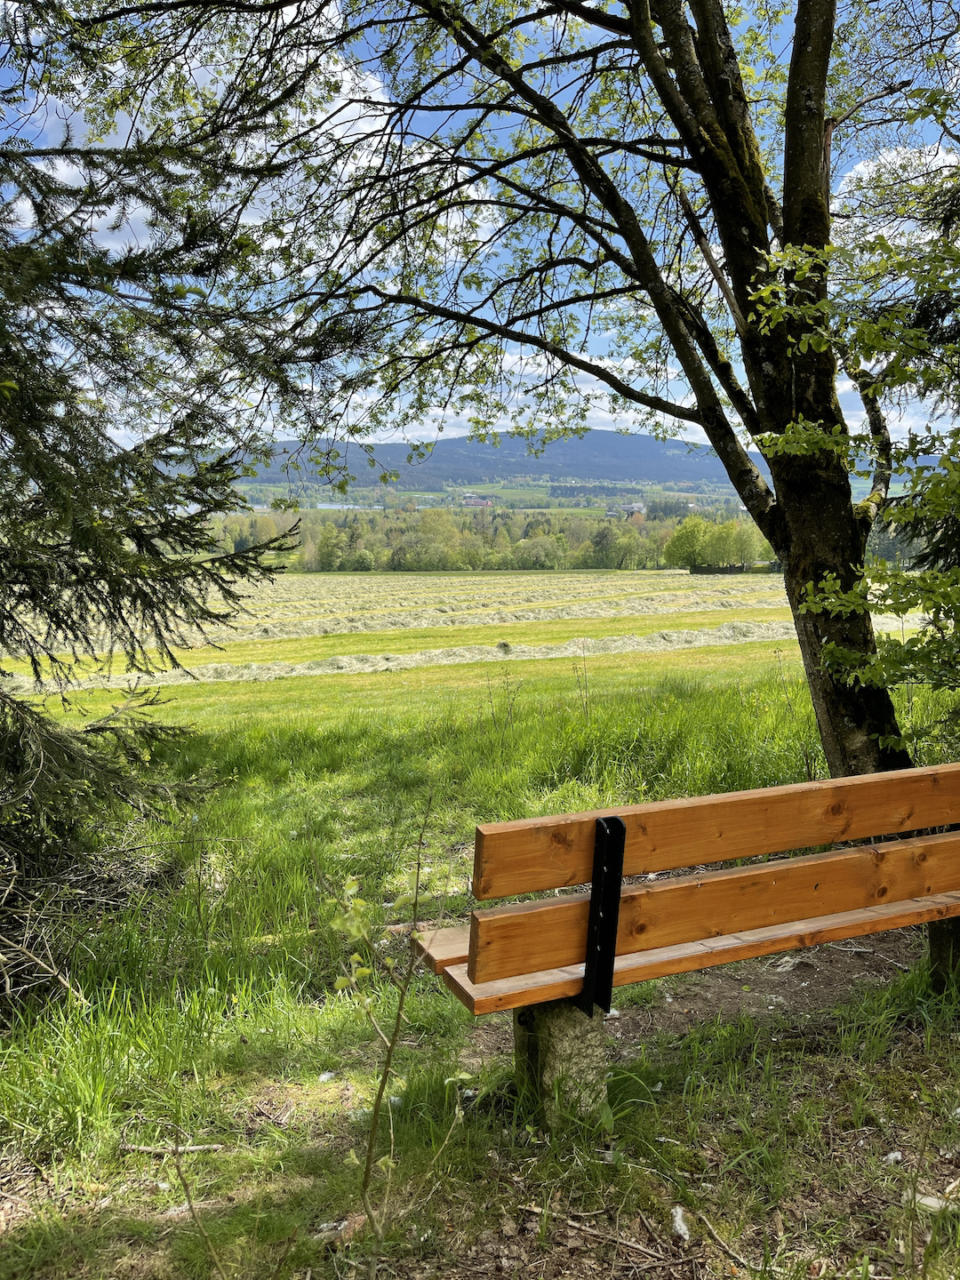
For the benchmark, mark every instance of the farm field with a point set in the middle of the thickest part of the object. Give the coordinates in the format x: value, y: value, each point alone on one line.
x: 342, y: 624
x: 304, y: 624
x: 236, y: 1006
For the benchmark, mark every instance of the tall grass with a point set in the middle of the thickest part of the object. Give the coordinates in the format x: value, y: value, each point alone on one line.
x: 244, y: 935
x: 220, y: 982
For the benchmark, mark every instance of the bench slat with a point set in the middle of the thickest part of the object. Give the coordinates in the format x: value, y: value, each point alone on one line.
x: 552, y: 853
x: 532, y: 936
x: 441, y: 948
x: 563, y: 982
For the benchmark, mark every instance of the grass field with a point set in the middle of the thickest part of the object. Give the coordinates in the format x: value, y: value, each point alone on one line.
x: 328, y: 623
x: 348, y: 624
x: 234, y: 1007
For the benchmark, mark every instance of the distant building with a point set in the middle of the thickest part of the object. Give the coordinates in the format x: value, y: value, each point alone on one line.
x: 474, y: 500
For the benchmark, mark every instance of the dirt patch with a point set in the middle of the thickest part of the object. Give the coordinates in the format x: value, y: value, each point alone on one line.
x: 563, y: 1247
x: 795, y: 985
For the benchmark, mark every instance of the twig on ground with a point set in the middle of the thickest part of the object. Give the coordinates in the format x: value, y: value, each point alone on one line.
x: 647, y: 1223
x: 719, y: 1240
x: 601, y: 1235
x: 731, y: 1253
x: 870, y: 951
x: 637, y: 1267
x: 173, y: 1150
x: 51, y: 969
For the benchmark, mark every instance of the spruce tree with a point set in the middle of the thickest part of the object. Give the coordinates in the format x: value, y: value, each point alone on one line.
x: 143, y: 365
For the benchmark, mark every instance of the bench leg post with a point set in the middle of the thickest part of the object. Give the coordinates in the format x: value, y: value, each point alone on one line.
x: 561, y: 1060
x: 943, y: 940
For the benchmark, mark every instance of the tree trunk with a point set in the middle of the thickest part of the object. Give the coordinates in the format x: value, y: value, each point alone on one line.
x: 857, y: 723
x: 853, y: 720
x: 823, y: 541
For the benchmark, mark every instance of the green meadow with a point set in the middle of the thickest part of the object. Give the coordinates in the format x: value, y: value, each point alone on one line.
x: 237, y: 1007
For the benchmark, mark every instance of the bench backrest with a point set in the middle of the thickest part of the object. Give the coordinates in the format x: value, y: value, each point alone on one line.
x: 535, y: 854
x: 548, y: 853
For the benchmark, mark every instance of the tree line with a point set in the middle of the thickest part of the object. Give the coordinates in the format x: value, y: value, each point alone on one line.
x: 436, y: 539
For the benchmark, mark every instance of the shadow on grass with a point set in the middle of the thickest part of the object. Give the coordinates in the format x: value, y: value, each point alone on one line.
x: 269, y: 1210
x: 749, y: 1121
x: 271, y: 1233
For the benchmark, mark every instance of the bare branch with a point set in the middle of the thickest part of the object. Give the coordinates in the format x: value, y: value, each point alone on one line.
x: 526, y: 338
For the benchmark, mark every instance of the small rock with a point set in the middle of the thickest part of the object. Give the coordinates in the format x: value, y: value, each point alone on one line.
x: 893, y: 1157
x: 328, y: 1231
x: 935, y: 1204
x: 335, y: 1234
x: 678, y: 1224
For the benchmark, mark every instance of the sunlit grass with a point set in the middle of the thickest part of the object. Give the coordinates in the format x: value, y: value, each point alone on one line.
x: 300, y: 617
x: 213, y: 1013
x: 204, y: 704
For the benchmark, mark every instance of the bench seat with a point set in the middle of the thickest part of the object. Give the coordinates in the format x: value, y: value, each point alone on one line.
x: 640, y: 966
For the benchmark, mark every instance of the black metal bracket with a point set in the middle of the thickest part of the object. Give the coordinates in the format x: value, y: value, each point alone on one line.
x: 604, y: 916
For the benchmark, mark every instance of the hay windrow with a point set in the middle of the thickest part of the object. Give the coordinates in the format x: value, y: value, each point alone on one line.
x: 730, y: 633
x: 391, y: 606
x: 334, y: 604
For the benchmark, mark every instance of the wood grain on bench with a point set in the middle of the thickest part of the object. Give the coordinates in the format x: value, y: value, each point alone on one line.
x: 550, y: 853
x: 443, y: 947
x: 531, y: 936
x: 555, y: 984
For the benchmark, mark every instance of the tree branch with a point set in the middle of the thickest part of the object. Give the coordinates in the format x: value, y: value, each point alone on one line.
x: 703, y: 244
x: 526, y: 338
x: 869, y: 386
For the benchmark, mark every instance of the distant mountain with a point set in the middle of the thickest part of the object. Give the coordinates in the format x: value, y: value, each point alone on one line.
x: 595, y: 456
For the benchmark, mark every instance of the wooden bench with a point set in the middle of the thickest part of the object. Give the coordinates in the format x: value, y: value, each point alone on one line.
x: 679, y: 916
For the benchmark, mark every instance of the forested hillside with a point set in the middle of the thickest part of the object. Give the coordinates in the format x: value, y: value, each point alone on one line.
x: 594, y: 456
